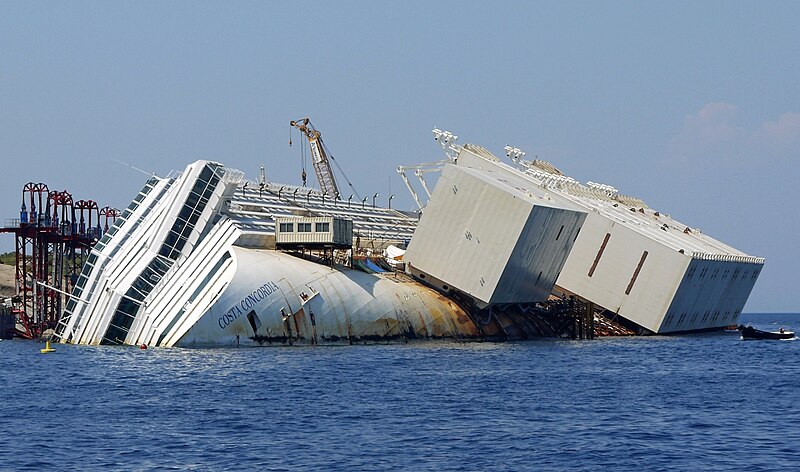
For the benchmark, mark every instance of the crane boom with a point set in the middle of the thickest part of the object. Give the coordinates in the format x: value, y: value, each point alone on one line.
x: 322, y: 166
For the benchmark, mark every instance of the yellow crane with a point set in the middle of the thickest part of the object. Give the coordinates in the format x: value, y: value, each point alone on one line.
x: 319, y: 158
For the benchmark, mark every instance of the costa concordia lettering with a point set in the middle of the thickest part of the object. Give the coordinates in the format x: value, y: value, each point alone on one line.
x: 193, y: 261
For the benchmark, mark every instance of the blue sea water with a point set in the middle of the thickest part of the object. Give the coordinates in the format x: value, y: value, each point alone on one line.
x: 699, y: 402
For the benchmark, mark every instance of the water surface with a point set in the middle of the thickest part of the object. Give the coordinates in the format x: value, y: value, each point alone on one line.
x: 700, y: 402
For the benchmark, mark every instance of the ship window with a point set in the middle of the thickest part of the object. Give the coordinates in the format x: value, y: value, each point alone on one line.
x: 303, y: 227
x: 287, y: 227
x: 322, y: 227
x: 70, y: 306
x: 81, y: 281
x: 559, y: 232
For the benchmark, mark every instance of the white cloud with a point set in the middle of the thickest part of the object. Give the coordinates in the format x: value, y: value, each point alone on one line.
x: 712, y: 135
x: 784, y: 131
x: 713, y: 112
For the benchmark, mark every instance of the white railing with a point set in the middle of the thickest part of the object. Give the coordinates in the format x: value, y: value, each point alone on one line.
x: 727, y: 258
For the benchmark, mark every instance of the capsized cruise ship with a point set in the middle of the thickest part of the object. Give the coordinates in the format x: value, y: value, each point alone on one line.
x: 205, y: 257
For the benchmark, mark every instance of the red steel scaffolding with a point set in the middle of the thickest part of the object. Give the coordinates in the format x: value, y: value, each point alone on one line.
x: 54, y: 236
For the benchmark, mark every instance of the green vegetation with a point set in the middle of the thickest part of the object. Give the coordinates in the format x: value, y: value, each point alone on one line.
x: 8, y: 258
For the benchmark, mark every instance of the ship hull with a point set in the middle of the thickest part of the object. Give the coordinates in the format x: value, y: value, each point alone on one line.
x: 278, y: 299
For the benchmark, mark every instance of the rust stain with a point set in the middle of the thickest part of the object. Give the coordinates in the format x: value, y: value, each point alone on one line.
x: 423, y: 325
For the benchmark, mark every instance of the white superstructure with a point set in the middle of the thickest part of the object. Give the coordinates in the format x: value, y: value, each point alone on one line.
x: 634, y: 261
x: 485, y: 235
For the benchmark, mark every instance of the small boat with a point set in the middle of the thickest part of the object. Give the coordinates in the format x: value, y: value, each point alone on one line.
x: 748, y: 332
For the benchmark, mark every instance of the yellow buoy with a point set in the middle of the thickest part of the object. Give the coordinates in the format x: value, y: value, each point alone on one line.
x: 47, y: 348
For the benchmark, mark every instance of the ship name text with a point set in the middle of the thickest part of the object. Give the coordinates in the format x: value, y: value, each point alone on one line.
x: 246, y: 304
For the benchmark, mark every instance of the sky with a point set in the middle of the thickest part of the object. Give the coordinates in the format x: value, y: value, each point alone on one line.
x: 692, y: 106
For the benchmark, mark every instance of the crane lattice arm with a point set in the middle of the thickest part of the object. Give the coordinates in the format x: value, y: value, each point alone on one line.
x: 322, y: 166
